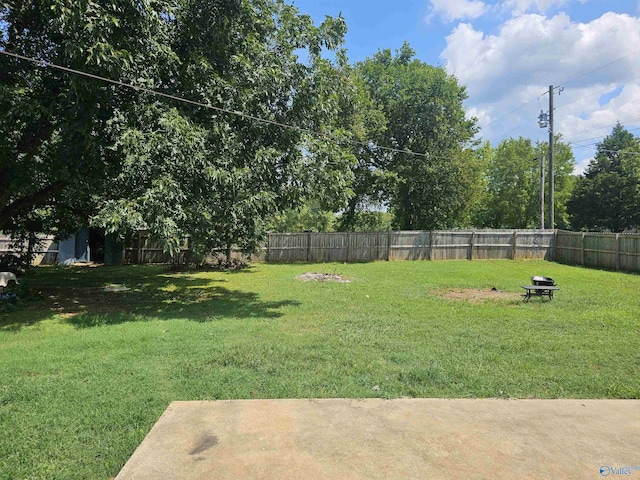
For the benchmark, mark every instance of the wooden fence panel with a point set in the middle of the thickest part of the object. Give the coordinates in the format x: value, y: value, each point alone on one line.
x: 600, y: 250
x: 46, y: 252
x: 366, y: 247
x: 327, y: 247
x: 410, y: 245
x: 288, y: 247
x: 141, y: 249
x: 629, y: 252
x: 451, y: 245
x: 538, y: 244
x: 569, y: 248
x: 493, y: 245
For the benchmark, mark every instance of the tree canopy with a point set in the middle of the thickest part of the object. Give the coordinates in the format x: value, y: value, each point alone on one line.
x: 57, y: 129
x: 128, y: 159
x: 607, y: 195
x: 512, y: 172
x: 221, y: 119
x: 422, y: 106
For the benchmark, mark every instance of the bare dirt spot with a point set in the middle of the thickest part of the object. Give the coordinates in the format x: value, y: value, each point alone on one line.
x: 322, y: 277
x: 475, y: 295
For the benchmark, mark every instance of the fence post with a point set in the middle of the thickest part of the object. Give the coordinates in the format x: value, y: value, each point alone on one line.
x: 582, y: 250
x: 430, y: 244
x: 554, y: 246
x: 348, y: 238
x: 617, y: 251
x: 140, y: 249
x: 515, y: 245
x: 470, y: 253
x: 268, y: 247
x: 308, y: 246
x: 388, y: 245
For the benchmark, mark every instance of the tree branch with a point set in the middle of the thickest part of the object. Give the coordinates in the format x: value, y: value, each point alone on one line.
x: 24, y: 204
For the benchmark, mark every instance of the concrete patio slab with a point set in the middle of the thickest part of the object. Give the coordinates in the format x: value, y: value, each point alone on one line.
x: 391, y: 439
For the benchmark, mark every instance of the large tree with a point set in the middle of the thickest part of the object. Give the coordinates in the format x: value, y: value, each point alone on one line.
x: 129, y: 159
x: 513, y: 183
x: 57, y: 129
x: 424, y: 114
x: 607, y: 195
x: 512, y: 178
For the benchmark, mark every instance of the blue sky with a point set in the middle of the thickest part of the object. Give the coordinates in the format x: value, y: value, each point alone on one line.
x: 508, y: 52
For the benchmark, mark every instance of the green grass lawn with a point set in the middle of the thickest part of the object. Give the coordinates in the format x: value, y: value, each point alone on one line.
x: 85, y: 374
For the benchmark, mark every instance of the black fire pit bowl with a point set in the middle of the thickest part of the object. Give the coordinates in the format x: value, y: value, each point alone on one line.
x: 543, y: 281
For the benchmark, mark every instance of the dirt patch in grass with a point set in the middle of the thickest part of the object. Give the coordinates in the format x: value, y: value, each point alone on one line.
x: 475, y: 295
x: 322, y: 277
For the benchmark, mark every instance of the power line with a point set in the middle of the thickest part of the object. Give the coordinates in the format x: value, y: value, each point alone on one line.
x: 621, y: 152
x: 507, y: 114
x: 598, y: 92
x: 565, y: 82
x: 600, y: 67
x: 600, y: 128
x: 211, y: 107
x: 585, y: 140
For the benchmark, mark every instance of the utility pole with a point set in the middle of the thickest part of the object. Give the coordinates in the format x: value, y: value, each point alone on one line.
x: 545, y: 120
x: 542, y: 193
x: 551, y: 182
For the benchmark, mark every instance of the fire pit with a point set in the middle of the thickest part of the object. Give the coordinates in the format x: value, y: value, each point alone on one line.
x: 542, y: 287
x: 543, y: 281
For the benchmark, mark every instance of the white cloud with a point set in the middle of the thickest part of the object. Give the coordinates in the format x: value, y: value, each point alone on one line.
x: 451, y: 10
x: 584, y: 131
x: 513, y: 68
x: 519, y: 7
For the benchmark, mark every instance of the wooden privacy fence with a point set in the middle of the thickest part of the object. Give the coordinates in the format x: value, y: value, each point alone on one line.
x: 46, y: 251
x: 409, y: 245
x: 351, y: 247
x: 140, y: 248
x: 613, y: 251
x: 597, y: 250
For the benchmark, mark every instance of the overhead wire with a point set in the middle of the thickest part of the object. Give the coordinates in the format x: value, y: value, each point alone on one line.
x: 598, y: 92
x: 601, y: 128
x: 507, y: 114
x: 584, y: 74
x: 150, y: 91
x: 268, y: 121
x: 623, y: 152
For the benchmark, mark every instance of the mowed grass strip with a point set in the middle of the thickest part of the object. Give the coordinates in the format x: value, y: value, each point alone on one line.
x: 84, y: 374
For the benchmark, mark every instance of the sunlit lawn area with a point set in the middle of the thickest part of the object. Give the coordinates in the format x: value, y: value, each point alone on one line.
x: 84, y: 374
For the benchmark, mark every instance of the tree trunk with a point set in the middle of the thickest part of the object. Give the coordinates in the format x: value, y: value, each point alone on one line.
x: 229, y: 252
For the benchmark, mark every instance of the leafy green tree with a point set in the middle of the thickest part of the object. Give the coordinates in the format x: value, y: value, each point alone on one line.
x: 128, y: 159
x: 371, y: 221
x: 423, y: 109
x: 564, y: 179
x: 513, y: 183
x: 57, y: 129
x: 607, y: 195
x: 310, y: 216
x: 513, y: 180
x: 365, y: 122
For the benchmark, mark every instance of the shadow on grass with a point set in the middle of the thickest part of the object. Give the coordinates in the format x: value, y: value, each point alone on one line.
x: 210, y: 304
x: 153, y: 293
